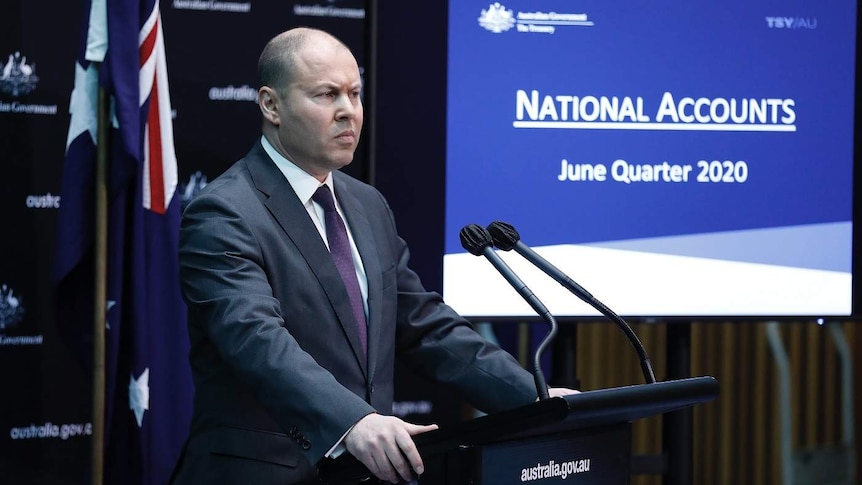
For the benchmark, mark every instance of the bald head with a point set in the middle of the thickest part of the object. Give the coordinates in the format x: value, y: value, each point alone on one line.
x: 278, y: 61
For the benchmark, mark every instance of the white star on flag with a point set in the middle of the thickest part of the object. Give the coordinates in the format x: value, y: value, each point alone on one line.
x: 82, y: 107
x: 139, y: 395
x: 109, y: 305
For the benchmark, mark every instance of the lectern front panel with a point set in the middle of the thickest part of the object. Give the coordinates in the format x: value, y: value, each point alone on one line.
x: 595, y: 456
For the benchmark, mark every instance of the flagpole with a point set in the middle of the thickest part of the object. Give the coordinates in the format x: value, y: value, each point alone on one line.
x: 100, y: 286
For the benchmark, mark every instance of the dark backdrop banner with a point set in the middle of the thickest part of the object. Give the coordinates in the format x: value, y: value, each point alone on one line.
x: 211, y: 49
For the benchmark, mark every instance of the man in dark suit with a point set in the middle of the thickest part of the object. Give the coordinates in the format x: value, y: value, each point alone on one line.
x: 292, y: 354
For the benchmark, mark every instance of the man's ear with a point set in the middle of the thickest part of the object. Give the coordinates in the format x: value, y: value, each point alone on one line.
x: 268, y: 101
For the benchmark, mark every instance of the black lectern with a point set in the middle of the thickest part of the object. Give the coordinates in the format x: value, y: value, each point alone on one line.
x: 582, y: 438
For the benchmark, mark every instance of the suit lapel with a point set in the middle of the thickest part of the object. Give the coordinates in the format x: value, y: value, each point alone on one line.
x: 291, y: 215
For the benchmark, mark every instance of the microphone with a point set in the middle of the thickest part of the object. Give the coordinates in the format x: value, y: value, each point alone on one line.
x: 477, y: 241
x: 505, y: 237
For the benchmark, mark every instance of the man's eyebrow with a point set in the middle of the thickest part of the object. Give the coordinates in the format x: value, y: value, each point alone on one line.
x: 334, y: 85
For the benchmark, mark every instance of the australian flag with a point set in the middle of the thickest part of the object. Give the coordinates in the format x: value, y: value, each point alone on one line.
x: 148, y: 387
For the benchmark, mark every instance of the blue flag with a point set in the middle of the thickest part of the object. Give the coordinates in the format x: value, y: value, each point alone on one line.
x: 148, y: 388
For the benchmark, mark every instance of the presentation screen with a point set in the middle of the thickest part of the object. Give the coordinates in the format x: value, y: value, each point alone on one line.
x: 676, y: 160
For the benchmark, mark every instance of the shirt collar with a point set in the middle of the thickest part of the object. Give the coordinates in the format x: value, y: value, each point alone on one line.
x: 303, y: 183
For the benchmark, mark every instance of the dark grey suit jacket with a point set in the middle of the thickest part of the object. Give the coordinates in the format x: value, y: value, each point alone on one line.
x: 279, y: 375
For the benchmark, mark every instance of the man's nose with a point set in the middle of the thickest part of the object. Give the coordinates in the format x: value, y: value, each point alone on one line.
x: 346, y: 108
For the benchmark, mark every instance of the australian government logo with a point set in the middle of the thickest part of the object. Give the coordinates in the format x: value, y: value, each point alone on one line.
x: 328, y: 10
x: 11, y: 310
x: 212, y: 6
x: 188, y: 190
x: 497, y: 18
x: 11, y: 314
x: 18, y: 78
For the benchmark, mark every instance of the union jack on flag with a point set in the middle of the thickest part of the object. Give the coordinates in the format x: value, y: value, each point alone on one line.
x: 148, y: 388
x: 160, y: 161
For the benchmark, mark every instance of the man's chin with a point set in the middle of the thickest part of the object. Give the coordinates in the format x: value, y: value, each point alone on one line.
x: 341, y: 162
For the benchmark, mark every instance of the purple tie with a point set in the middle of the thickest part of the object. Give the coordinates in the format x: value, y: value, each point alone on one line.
x: 339, y: 247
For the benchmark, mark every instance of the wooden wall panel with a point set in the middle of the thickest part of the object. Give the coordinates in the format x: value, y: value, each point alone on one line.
x: 736, y: 437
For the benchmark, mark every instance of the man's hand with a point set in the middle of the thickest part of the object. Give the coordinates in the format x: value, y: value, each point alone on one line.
x: 561, y: 391
x: 384, y: 445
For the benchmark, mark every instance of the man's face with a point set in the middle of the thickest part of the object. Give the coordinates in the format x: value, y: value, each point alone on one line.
x: 320, y: 113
